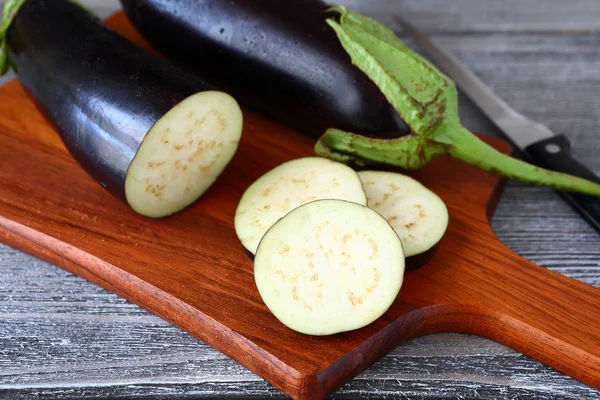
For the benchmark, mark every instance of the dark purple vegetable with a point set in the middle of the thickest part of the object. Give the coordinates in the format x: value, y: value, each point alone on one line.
x: 123, y: 113
x: 276, y: 56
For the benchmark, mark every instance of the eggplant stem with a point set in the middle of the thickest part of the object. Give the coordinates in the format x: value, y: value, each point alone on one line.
x: 427, y: 101
x: 470, y: 149
x: 9, y: 12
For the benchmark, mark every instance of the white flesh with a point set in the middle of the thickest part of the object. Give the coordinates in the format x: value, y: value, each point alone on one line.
x: 329, y: 266
x: 418, y: 215
x: 183, y: 154
x: 288, y: 186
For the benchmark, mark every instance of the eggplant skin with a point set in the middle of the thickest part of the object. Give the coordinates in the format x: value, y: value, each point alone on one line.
x: 100, y: 91
x: 278, y: 57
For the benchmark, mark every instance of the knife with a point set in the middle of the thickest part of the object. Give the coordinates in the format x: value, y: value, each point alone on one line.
x: 537, y: 142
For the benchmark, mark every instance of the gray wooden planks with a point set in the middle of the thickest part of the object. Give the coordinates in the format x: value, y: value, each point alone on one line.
x: 470, y: 15
x: 61, y: 337
x: 466, y: 15
x: 487, y: 15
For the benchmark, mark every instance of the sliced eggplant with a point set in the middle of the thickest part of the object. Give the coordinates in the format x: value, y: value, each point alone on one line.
x: 183, y: 154
x: 329, y: 266
x: 419, y: 216
x: 279, y: 57
x: 148, y: 132
x: 289, y: 186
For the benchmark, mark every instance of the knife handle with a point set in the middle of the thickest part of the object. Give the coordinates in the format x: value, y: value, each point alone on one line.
x: 555, y: 154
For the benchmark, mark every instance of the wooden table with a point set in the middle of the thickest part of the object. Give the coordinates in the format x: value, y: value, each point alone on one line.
x: 62, y: 337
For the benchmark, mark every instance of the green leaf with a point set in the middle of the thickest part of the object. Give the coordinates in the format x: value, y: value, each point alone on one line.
x: 417, y: 93
x: 369, y: 25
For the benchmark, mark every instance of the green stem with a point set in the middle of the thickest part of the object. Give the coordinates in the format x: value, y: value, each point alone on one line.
x: 413, y: 151
x: 9, y: 12
x: 470, y: 149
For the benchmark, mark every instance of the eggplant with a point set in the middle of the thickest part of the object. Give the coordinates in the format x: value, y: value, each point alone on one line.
x: 329, y: 266
x: 277, y: 57
x: 325, y: 70
x: 150, y: 133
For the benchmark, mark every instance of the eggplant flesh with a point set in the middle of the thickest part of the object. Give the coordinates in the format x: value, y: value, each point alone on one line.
x: 105, y: 95
x: 278, y: 57
x: 329, y: 266
x: 289, y: 186
x: 418, y: 215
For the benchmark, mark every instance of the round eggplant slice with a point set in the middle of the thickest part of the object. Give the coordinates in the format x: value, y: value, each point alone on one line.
x: 183, y: 154
x: 288, y: 186
x: 329, y: 266
x: 418, y: 215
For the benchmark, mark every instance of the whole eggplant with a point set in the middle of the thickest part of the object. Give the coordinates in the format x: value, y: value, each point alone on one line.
x: 104, y: 95
x: 279, y: 57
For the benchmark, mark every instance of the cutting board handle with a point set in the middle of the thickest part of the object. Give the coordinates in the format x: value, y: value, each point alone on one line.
x: 540, y: 313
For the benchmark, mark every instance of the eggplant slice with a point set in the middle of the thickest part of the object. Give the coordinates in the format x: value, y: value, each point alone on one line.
x: 288, y: 186
x: 329, y: 266
x: 183, y: 154
x: 419, y: 216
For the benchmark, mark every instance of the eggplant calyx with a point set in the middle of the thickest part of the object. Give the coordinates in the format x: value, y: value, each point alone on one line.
x: 409, y: 152
x: 9, y: 12
x: 427, y: 100
x: 342, y: 10
x: 419, y: 93
x: 323, y: 149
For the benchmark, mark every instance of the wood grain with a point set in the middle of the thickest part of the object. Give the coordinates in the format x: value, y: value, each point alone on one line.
x: 80, y: 228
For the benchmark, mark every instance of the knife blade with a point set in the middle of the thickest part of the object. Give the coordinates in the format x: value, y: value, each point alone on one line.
x: 537, y: 142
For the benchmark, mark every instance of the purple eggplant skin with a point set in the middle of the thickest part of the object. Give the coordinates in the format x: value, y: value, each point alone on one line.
x: 277, y: 57
x: 101, y: 92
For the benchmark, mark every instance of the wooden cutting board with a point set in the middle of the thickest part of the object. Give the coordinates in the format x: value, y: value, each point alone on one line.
x: 190, y: 269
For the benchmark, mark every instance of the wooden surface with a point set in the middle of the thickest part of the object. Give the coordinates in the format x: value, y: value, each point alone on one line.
x: 138, y: 358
